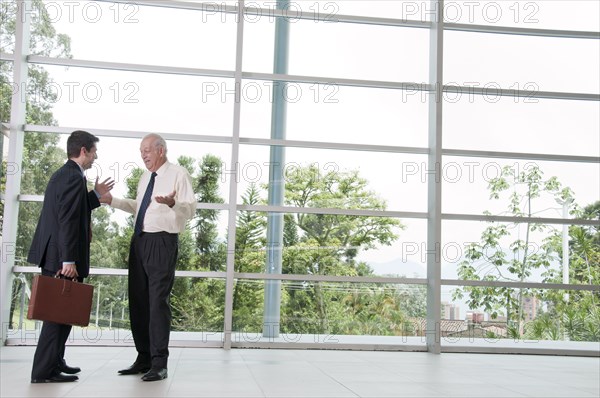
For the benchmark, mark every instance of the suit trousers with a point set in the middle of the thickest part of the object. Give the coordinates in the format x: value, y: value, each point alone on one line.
x: 50, y: 350
x: 152, y: 260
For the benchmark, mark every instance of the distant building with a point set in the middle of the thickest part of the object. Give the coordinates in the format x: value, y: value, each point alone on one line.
x: 531, y: 305
x: 450, y: 311
x: 475, y: 317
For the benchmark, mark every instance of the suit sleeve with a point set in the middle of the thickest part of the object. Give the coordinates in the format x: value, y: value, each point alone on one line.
x: 70, y: 208
x: 94, y: 201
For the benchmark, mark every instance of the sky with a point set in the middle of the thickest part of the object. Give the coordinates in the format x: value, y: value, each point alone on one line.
x: 195, y: 105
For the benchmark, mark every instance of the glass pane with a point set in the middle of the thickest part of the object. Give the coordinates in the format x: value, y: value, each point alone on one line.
x: 259, y: 42
x: 521, y: 125
x: 43, y: 155
x: 202, y: 247
x: 380, y: 181
x: 318, y: 244
x: 109, y: 318
x: 29, y: 213
x: 521, y: 62
x: 110, y: 303
x: 312, y: 39
x: 4, y: 167
x: 509, y: 317
x: 357, y: 51
x: 118, y: 158
x: 17, y: 319
x: 129, y: 33
x: 197, y: 305
x: 326, y: 312
x: 8, y: 12
x: 139, y: 101
x: 404, y: 257
x: 7, y: 89
x: 354, y: 115
x: 405, y: 10
x: 567, y: 15
x: 522, y: 252
x: 469, y: 183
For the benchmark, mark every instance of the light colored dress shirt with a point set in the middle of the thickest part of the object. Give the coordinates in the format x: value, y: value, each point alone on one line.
x: 160, y: 217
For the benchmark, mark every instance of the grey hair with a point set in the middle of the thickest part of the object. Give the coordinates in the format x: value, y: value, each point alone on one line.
x: 159, y: 142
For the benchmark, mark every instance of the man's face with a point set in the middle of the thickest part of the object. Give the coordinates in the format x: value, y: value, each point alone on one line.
x: 89, y: 157
x: 152, y: 155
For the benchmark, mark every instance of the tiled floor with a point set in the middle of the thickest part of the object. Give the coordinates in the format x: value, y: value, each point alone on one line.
x: 214, y: 372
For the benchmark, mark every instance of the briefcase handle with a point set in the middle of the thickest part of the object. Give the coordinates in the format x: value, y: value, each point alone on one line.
x: 66, y: 288
x: 58, y: 275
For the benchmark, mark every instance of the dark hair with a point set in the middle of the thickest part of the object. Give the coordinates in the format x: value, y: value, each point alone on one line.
x: 78, y: 139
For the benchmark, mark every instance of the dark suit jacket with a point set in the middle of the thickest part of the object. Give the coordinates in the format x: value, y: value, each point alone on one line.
x: 63, y: 230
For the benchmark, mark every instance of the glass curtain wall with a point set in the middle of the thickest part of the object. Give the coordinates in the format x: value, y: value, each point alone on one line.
x: 307, y: 128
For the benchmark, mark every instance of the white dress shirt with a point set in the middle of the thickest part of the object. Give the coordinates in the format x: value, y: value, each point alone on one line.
x: 160, y: 217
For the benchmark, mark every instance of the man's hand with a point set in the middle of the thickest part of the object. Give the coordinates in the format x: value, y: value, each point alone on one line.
x: 106, y: 198
x: 69, y: 270
x: 104, y: 186
x: 168, y: 200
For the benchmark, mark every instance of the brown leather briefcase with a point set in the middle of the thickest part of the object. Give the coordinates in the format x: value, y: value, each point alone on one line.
x: 60, y: 301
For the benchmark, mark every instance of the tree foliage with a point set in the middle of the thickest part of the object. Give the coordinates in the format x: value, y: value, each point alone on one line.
x: 509, y: 252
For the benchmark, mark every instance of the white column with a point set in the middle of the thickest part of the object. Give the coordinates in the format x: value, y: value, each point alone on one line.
x: 15, y: 158
x: 233, y: 185
x: 434, y: 181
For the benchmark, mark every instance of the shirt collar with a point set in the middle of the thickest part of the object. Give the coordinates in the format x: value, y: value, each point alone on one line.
x: 162, y: 169
x: 79, y: 166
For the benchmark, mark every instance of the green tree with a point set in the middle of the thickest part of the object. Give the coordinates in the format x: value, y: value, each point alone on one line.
x: 309, y: 187
x: 248, y: 297
x: 493, y: 258
x: 576, y: 314
x: 211, y: 252
x: 328, y: 244
x: 198, y: 304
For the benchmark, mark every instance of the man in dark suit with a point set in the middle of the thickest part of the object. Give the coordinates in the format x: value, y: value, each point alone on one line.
x: 61, y: 245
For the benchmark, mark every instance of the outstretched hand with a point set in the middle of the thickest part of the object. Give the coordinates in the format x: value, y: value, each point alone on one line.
x: 106, y: 198
x: 104, y: 186
x: 168, y: 200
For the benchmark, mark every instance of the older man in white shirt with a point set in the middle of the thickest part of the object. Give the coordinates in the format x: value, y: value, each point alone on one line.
x: 165, y: 202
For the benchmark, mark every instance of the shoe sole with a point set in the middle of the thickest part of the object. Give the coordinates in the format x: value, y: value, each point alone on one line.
x: 43, y: 381
x: 154, y: 379
x: 70, y: 372
x: 134, y: 373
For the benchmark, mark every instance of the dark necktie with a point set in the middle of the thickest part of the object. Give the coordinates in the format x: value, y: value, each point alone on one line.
x: 139, y: 222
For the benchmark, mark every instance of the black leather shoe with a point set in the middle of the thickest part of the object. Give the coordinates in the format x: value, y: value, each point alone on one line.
x: 155, y: 374
x: 135, y: 369
x: 56, y: 379
x: 71, y: 370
